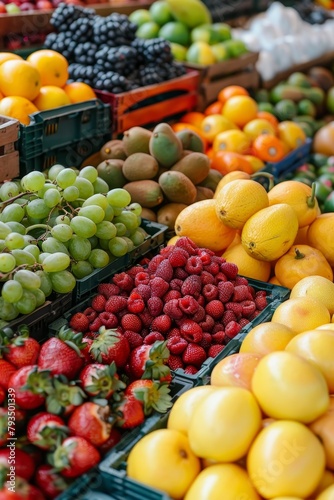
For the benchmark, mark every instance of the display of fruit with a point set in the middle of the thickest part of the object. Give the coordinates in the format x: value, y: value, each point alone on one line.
x: 105, y: 53
x: 17, y: 6
x: 58, y: 229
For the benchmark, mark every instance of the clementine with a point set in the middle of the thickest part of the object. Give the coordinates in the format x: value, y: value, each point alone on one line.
x: 79, y: 92
x: 19, y: 78
x: 51, y: 65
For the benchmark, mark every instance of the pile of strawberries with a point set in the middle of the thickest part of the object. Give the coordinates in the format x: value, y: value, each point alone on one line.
x: 186, y: 296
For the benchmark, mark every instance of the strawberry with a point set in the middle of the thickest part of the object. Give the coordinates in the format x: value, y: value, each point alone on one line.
x: 31, y: 384
x: 20, y: 350
x: 6, y: 371
x: 85, y: 350
x: 64, y: 396
x: 74, y: 457
x: 46, y: 430
x: 61, y: 354
x: 24, y: 463
x: 174, y: 362
x: 109, y: 346
x: 194, y: 354
x: 7, y: 424
x: 130, y: 413
x: 98, y: 303
x: 90, y: 421
x: 191, y: 370
x: 152, y: 394
x: 100, y: 380
x: 50, y: 482
x: 114, y: 437
x: 2, y: 395
x: 79, y: 322
x: 20, y: 490
x: 131, y: 322
x: 148, y: 361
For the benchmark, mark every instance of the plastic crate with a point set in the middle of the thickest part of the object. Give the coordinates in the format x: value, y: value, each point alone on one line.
x: 152, y: 104
x: 9, y: 157
x: 66, y: 135
x: 90, y: 486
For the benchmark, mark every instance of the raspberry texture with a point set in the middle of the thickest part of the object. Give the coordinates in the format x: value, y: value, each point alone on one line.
x: 99, y: 302
x: 115, y: 304
x: 191, y: 331
x: 108, y: 319
x: 153, y: 337
x: 131, y: 322
x: 164, y: 270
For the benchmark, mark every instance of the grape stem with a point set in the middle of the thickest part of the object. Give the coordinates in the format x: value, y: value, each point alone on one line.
x: 3, y: 204
x: 38, y: 226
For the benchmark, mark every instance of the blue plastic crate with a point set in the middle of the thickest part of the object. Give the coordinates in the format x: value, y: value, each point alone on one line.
x: 293, y: 160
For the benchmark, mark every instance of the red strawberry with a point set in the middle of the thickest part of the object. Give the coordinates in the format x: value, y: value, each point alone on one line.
x: 194, y: 354
x: 24, y: 463
x: 114, y: 437
x: 109, y: 346
x: 2, y: 395
x: 152, y: 394
x: 74, y: 457
x: 46, y: 430
x: 133, y: 338
x: 152, y: 337
x: 115, y: 304
x: 214, y: 350
x: 108, y: 319
x: 79, y: 322
x: 85, y: 351
x: 215, y: 309
x: 6, y: 371
x: 148, y: 361
x: 90, y: 421
x: 131, y: 413
x: 108, y: 289
x: 20, y: 490
x: 191, y: 370
x: 50, y: 482
x: 21, y: 350
x: 131, y: 322
x: 100, y: 380
x: 30, y: 385
x: 174, y: 362
x: 191, y: 331
x: 13, y: 424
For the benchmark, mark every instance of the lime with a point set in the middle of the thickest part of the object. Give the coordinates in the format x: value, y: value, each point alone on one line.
x: 306, y: 107
x: 148, y: 30
x: 266, y: 106
x: 175, y: 32
x: 285, y: 109
x: 261, y: 95
x: 200, y: 53
x: 220, y: 52
x: 179, y: 51
x: 299, y: 79
x: 322, y: 190
x: 204, y: 33
x: 329, y: 203
x: 224, y: 31
x: 236, y: 48
x: 330, y: 100
x: 140, y: 16
x: 160, y: 12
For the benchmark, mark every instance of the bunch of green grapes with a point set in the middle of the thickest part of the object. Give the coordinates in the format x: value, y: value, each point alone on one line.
x: 59, y: 228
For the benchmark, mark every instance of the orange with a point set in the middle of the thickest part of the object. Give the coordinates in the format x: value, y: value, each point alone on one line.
x: 269, y: 117
x: 79, y: 92
x: 240, y: 109
x: 19, y: 78
x: 17, y: 107
x: 212, y: 125
x: 51, y: 97
x: 52, y: 66
x: 214, y: 108
x: 231, y: 91
x: 193, y: 117
x: 232, y: 140
x: 258, y: 126
x: 268, y: 148
x: 247, y: 265
x: 267, y: 337
x: 301, y: 314
x: 227, y: 161
x: 8, y: 56
x: 320, y: 235
x: 256, y: 163
x: 210, y: 153
x: 291, y: 134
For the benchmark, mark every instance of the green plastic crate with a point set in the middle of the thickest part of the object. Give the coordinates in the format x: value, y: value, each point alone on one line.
x: 90, y: 486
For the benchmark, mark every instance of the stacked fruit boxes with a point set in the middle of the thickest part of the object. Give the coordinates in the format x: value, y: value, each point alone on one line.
x: 9, y: 157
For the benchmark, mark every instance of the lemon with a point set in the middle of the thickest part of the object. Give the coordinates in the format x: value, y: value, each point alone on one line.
x: 318, y: 287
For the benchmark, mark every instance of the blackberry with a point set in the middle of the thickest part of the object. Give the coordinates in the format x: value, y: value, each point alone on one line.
x: 61, y: 42
x: 156, y: 50
x: 65, y: 14
x: 82, y: 29
x: 112, y: 82
x: 81, y: 73
x: 113, y: 32
x: 84, y: 53
x: 150, y: 74
x: 122, y: 60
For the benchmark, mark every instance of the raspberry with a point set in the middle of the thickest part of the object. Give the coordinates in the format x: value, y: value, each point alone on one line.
x: 229, y: 269
x: 180, y: 273
x: 134, y: 270
x: 241, y: 293
x: 251, y: 291
x: 158, y: 287
x: 109, y: 320
x: 99, y: 302
x: 214, y: 350
x: 131, y: 322
x: 176, y: 345
x: 248, y: 308
x: 154, y: 262
x: 217, y: 328
x: 178, y: 257
x: 212, y: 268
x: 135, y: 305
x: 176, y: 284
x: 261, y: 293
x: 206, y: 340
x: 165, y: 270
x: 172, y: 309
x: 207, y: 324
x: 226, y: 290
x: 220, y: 277
x: 204, y: 256
x: 253, y: 316
x: 108, y: 289
x: 199, y: 314
x: 174, y: 332
x: 191, y: 370
x: 236, y: 307
x: 115, y: 304
x: 210, y: 291
x: 188, y: 304
x: 218, y: 259
x: 207, y: 278
x: 95, y: 325
x: 261, y: 303
x: 219, y: 337
x: 232, y: 329
x: 123, y: 281
x: 153, y: 337
x: 228, y: 316
x: 90, y: 313
x: 191, y: 331
x: 215, y: 308
x: 192, y: 286
x: 79, y: 322
x: 240, y: 280
x: 174, y: 362
x: 161, y: 323
x: 155, y: 306
x: 142, y: 278
x: 194, y: 265
x: 146, y: 318
x: 133, y: 338
x: 243, y: 322
x: 194, y: 354
x: 144, y: 291
x: 171, y: 294
x: 201, y: 300
x: 187, y: 244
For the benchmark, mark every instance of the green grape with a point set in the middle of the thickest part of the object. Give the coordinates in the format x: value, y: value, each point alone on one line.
x: 23, y: 257
x: 106, y: 230
x: 85, y: 187
x: 17, y: 227
x: 118, y: 197
x: 27, y: 303
x: 71, y: 193
x: 34, y: 250
x: 8, y: 311
x: 13, y: 213
x: 109, y: 213
x: 121, y: 228
x: 14, y: 240
x: 54, y: 171
x: 46, y: 284
x: 79, y: 248
x: 118, y: 247
x: 94, y: 241
x: 81, y: 269
x: 93, y: 212
x: 89, y: 173
x: 137, y: 238
x: 56, y: 262
x: 40, y: 297
x: 97, y: 199
x: 66, y: 178
x: 62, y: 232
x: 129, y: 219
x: 117, y: 210
x: 63, y: 219
x: 4, y: 230
x: 129, y: 243
x: 100, y: 186
x: 52, y: 245
x: 7, y: 263
x: 98, y: 258
x: 135, y: 208
x: 52, y: 197
x: 28, y: 279
x: 34, y: 181
x: 104, y: 244
x: 42, y: 256
x: 45, y: 188
x: 37, y: 209
x: 2, y: 245
x: 29, y: 240
x: 83, y: 227
x: 8, y: 190
x: 63, y: 281
x: 11, y: 291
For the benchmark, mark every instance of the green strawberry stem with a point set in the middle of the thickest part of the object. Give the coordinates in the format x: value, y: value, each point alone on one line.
x: 157, y: 397
x: 63, y: 395
x: 71, y: 338
x: 52, y: 437
x: 155, y: 369
x: 101, y: 345
x: 59, y: 459
x: 39, y: 382
x: 105, y: 381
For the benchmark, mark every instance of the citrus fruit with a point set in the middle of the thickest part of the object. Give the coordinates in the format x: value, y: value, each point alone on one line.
x: 257, y: 127
x: 236, y: 48
x: 231, y: 176
x: 268, y: 148
x: 175, y: 32
x: 326, y: 326
x: 266, y: 235
x: 229, y: 478
x: 51, y: 65
x: 301, y: 314
x: 160, y: 12
x: 213, y: 124
x: 179, y: 52
x: 235, y: 371
x: 224, y: 424
x: 318, y: 287
x: 204, y: 33
x: 238, y: 200
x: 269, y: 117
x: 247, y: 265
x: 200, y: 223
x: 220, y: 51
x: 327, y: 494
x: 8, y: 56
x: 286, y: 459
x: 232, y: 140
x: 323, y: 428
x: 17, y: 107
x: 226, y: 162
x: 148, y: 30
x: 214, y: 108
x: 231, y: 91
x: 51, y: 97
x: 140, y: 16
x: 19, y: 78
x: 240, y: 109
x: 267, y: 337
x: 320, y: 235
x: 255, y: 162
x: 291, y: 133
x: 173, y: 240
x: 200, y: 53
x: 283, y: 383
x: 274, y: 281
x: 193, y: 117
x: 79, y: 92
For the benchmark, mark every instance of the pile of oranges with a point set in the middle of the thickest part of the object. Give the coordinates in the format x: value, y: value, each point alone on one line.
x: 37, y: 84
x: 240, y: 137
